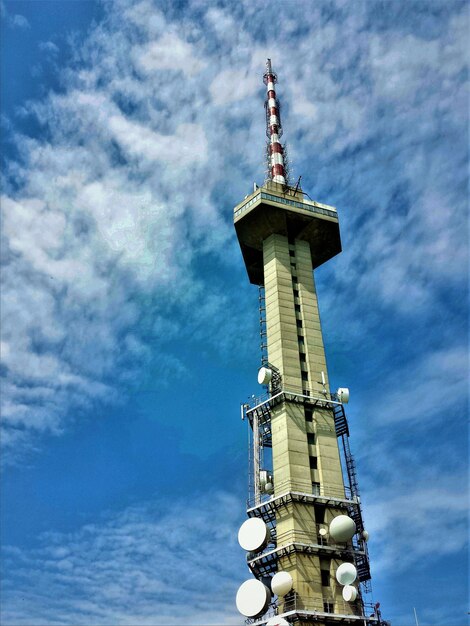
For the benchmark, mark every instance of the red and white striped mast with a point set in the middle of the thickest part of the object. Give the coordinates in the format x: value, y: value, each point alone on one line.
x: 276, y: 166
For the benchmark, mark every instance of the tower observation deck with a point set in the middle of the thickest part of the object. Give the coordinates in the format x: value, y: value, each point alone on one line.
x: 305, y: 541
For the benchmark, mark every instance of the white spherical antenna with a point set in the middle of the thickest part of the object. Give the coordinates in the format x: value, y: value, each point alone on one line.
x: 342, y: 528
x: 253, y: 598
x: 349, y: 593
x: 346, y: 574
x: 343, y: 395
x: 277, y: 621
x: 269, y: 488
x: 365, y: 535
x: 281, y: 583
x: 264, y: 375
x: 253, y: 535
x: 323, y: 532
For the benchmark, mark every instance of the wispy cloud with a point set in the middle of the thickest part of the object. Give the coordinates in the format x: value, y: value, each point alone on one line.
x: 428, y: 520
x: 13, y: 20
x: 404, y: 396
x: 154, y: 563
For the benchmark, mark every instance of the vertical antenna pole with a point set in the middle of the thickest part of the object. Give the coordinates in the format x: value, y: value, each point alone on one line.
x: 274, y: 129
x: 256, y: 456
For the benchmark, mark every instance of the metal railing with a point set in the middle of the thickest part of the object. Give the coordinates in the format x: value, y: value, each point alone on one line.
x: 326, y: 401
x: 310, y: 206
x: 308, y: 491
x: 336, y: 609
x: 310, y: 537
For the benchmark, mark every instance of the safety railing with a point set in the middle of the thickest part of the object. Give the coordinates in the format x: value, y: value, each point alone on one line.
x: 305, y: 206
x: 312, y: 491
x: 309, y: 537
x: 332, y: 608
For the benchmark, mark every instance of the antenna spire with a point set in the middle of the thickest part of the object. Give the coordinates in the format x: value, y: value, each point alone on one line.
x: 276, y: 167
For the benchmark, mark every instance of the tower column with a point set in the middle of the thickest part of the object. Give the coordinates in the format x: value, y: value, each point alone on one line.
x: 305, y: 529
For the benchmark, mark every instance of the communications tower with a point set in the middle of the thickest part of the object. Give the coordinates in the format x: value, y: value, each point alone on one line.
x: 305, y: 542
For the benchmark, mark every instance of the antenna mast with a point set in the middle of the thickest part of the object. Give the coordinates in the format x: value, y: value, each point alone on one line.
x: 276, y: 167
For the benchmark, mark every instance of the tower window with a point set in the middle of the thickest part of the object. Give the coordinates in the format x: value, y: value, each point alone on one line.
x: 325, y: 577
x: 319, y: 514
x: 313, y: 462
x: 304, y: 376
x: 296, y: 293
x: 316, y: 489
x: 297, y: 308
x: 311, y: 438
x: 303, y: 357
x: 291, y: 252
x: 308, y: 415
x: 299, y: 323
x: 327, y: 606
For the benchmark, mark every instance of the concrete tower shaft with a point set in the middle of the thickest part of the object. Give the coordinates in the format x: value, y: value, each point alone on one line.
x: 305, y: 452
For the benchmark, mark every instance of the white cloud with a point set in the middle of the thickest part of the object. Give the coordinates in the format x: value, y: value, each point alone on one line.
x: 13, y: 20
x: 49, y: 47
x: 187, y: 147
x: 425, y: 521
x: 169, y: 52
x: 417, y: 391
x: 153, y: 563
x: 19, y: 21
x: 231, y: 85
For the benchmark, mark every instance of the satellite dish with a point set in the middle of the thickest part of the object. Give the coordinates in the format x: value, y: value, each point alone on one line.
x: 365, y: 535
x: 281, y: 583
x: 346, y: 574
x: 253, y: 535
x: 253, y: 598
x: 264, y: 375
x: 342, y: 528
x: 343, y: 395
x: 323, y: 532
x: 349, y: 593
x: 277, y: 621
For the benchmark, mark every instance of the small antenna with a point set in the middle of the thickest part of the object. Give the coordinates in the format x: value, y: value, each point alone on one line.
x: 416, y: 616
x: 297, y: 185
x: 323, y: 382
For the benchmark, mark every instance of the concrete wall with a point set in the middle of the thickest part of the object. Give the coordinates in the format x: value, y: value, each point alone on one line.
x: 295, y: 347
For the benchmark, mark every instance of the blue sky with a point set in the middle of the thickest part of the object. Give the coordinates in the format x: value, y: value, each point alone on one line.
x: 130, y: 335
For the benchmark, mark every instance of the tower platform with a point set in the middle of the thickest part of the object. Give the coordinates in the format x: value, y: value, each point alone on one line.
x: 283, y: 210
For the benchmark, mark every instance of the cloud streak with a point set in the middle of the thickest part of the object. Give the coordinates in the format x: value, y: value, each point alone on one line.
x: 134, y: 566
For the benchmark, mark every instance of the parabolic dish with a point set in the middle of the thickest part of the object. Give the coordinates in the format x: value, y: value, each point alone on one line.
x: 253, y: 535
x: 253, y: 598
x: 342, y: 528
x: 365, y: 535
x: 281, y: 583
x: 264, y: 375
x: 349, y: 593
x: 346, y: 574
x: 277, y: 621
